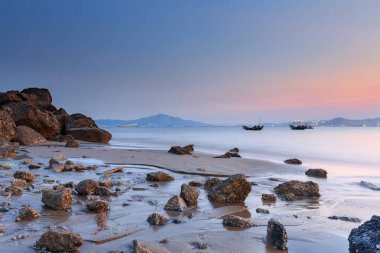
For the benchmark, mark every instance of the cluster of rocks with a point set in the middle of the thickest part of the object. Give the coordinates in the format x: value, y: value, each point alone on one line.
x: 231, y: 153
x: 29, y: 118
x: 178, y: 150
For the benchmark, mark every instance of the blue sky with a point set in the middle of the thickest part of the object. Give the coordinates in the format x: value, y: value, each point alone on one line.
x: 214, y: 61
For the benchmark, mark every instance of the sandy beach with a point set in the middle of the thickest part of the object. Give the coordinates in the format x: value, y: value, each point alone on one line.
x: 306, y: 221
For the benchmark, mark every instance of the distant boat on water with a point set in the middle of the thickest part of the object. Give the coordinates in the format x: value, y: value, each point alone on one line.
x: 300, y: 127
x: 254, y: 128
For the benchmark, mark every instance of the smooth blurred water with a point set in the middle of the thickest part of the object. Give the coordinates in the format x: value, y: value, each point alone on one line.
x: 352, y: 147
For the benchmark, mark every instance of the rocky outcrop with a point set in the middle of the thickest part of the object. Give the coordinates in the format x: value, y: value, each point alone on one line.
x: 79, y: 120
x: 293, y: 161
x: 156, y: 219
x: 234, y: 189
x: 29, y: 114
x: 277, y: 237
x: 40, y: 96
x: 295, y: 189
x: 59, y: 199
x: 237, y: 222
x: 320, y: 173
x: 7, y: 126
x: 90, y: 134
x: 9, y: 97
x: 159, y: 176
x: 178, y: 150
x: 56, y: 241
x: 86, y: 186
x: 365, y: 238
x: 61, y: 116
x: 175, y: 203
x: 189, y: 194
x: 28, y: 137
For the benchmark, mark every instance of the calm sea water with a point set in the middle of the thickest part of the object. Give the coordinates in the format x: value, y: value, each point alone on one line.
x: 355, y: 149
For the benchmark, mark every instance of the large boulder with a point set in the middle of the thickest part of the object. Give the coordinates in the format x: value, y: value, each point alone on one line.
x: 29, y: 114
x: 28, y: 137
x: 365, y: 238
x: 7, y: 126
x: 90, y: 134
x: 277, y: 236
x: 56, y: 241
x: 43, y: 98
x: 234, y: 189
x: 57, y: 199
x: 79, y: 120
x: 295, y: 189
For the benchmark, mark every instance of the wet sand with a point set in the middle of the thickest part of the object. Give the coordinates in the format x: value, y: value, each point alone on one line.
x: 306, y: 221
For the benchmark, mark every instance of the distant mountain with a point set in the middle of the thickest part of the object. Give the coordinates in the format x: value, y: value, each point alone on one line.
x: 342, y: 122
x: 159, y: 120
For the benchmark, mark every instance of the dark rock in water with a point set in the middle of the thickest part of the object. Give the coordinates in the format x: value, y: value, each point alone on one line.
x: 237, y: 222
x: 57, y: 199
x: 79, y: 120
x: 293, y: 161
x: 7, y: 126
x: 86, y: 186
x: 178, y: 150
x: 72, y: 144
x: 234, y: 150
x: 268, y: 197
x: 28, y: 137
x: 34, y: 166
x: 90, y: 134
x: 102, y: 191
x: 320, y: 173
x: 159, y: 176
x: 189, y: 148
x: 212, y: 182
x: 370, y: 185
x: 234, y: 189
x: 345, y: 218
x: 98, y: 206
x: 15, y: 191
x: 189, y: 194
x: 7, y: 149
x: 139, y: 247
x: 262, y: 210
x: 196, y: 183
x: 30, y: 115
x: 27, y: 213
x: 27, y: 176
x: 366, y: 238
x: 56, y: 241
x: 42, y: 98
x: 175, y: 203
x: 156, y: 219
x: 226, y: 155
x: 277, y: 236
x: 232, y: 153
x: 295, y: 189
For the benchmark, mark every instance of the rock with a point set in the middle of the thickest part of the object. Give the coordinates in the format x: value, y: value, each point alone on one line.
x: 159, y: 176
x: 178, y: 150
x: 295, y: 189
x: 102, y: 191
x: 57, y: 241
x: 277, y: 236
x: 72, y: 144
x: 1, y: 229
x: 86, y: 186
x: 30, y: 115
x: 293, y: 161
x: 196, y: 183
x: 320, y: 173
x: 27, y: 176
x: 226, y: 155
x: 234, y: 150
x: 98, y: 206
x: 230, y: 154
x: 61, y: 115
x: 27, y: 213
x: 189, y: 148
x: 19, y: 182
x: 237, y: 222
x: 156, y: 219
x: 9, y: 97
x: 201, y: 245
x: 234, y: 189
x: 7, y: 126
x: 90, y: 134
x: 345, y: 218
x: 211, y: 182
x: 28, y: 137
x: 370, y: 185
x: 57, y: 199
x: 262, y: 210
x: 79, y: 120
x: 268, y: 197
x: 7, y: 149
x: 365, y: 238
x: 175, y: 203
x: 189, y: 194
x: 34, y: 166
x: 15, y: 191
x: 43, y: 98
x: 139, y: 247
x: 57, y: 167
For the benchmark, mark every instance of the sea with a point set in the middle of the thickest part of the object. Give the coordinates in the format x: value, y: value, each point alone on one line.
x: 353, y: 150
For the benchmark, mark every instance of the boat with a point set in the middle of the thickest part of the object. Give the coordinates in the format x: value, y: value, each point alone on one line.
x: 254, y: 128
x: 300, y: 127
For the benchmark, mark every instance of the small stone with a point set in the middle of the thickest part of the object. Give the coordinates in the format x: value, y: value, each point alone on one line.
x: 72, y: 144
x: 19, y: 182
x: 57, y: 199
x: 319, y: 173
x: 57, y: 167
x: 155, y: 185
x: 98, y: 206
x: 24, y: 175
x: 15, y: 191
x: 139, y: 247
x: 189, y: 194
x: 165, y: 241
x: 268, y: 197
x: 175, y: 203
x: 157, y: 219
x: 236, y: 221
x: 277, y: 236
x: 262, y: 210
x: 27, y: 161
x: 86, y: 186
x: 293, y: 161
x: 34, y: 166
x: 56, y: 241
x: 159, y: 176
x: 102, y: 191
x: 1, y: 229
x: 196, y: 183
x: 27, y: 213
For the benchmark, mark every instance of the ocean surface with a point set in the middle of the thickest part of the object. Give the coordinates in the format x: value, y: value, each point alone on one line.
x: 349, y: 150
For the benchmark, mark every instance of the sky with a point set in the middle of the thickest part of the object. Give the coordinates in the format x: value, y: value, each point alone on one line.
x: 214, y: 61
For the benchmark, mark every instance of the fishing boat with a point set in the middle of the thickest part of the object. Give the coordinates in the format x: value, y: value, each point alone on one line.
x: 300, y: 127
x: 254, y: 128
